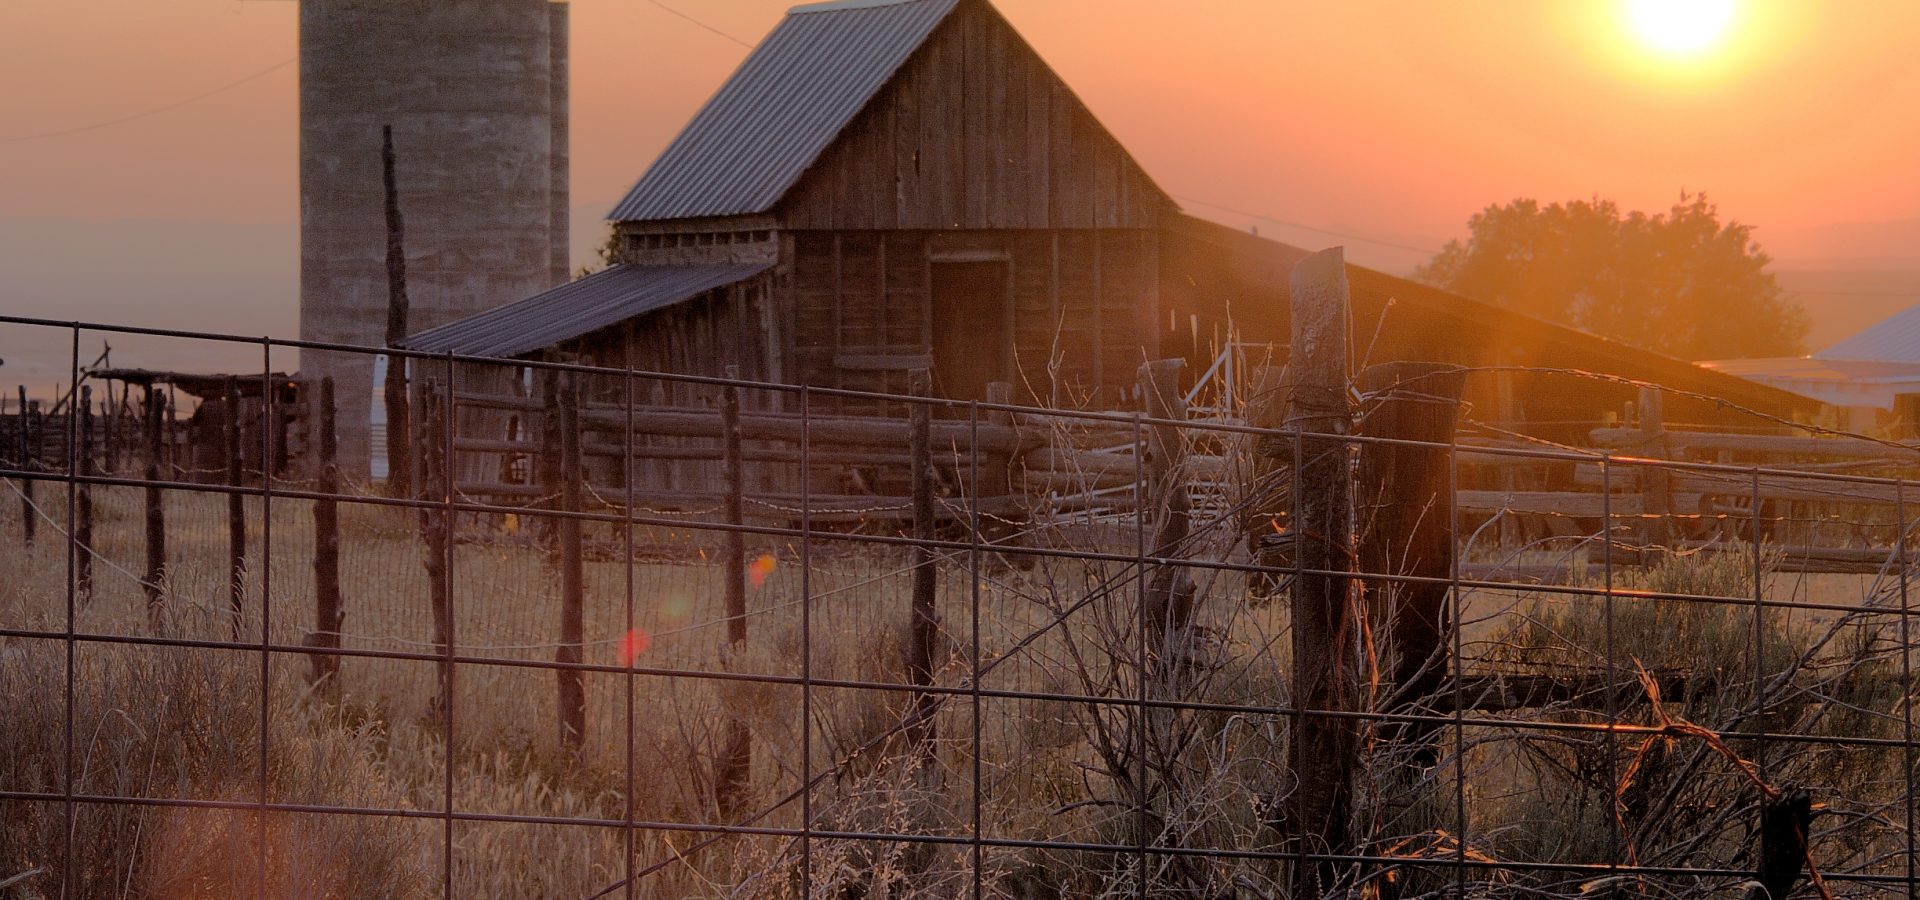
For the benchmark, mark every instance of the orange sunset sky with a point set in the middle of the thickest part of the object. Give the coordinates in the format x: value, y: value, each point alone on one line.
x: 1390, y: 122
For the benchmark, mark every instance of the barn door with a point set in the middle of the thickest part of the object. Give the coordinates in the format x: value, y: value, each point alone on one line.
x: 972, y: 327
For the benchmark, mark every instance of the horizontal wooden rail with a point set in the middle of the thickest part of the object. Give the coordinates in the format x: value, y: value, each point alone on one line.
x: 1762, y: 444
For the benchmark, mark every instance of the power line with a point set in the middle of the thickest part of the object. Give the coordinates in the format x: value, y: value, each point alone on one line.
x: 158, y: 109
x: 1429, y: 251
x: 701, y: 24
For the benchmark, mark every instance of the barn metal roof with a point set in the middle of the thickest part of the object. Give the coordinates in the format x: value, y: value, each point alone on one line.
x: 1895, y: 339
x: 782, y: 108
x: 605, y: 298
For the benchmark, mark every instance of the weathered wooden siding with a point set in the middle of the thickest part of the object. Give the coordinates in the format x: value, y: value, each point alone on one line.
x: 1083, y: 300
x: 975, y: 132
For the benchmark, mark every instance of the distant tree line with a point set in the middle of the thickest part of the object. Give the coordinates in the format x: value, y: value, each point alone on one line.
x: 1681, y: 282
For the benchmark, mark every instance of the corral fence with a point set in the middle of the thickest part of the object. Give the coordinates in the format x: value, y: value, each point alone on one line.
x: 1320, y: 641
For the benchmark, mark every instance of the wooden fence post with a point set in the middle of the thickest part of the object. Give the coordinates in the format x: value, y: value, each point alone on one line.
x: 924, y: 624
x: 733, y: 771
x: 108, y: 415
x: 327, y: 611
x: 1325, y: 631
x: 436, y: 485
x: 176, y: 470
x: 156, y: 510
x: 28, y: 520
x: 83, y: 529
x: 1656, y: 482
x: 1405, y: 521
x: 573, y: 575
x: 236, y: 511
x: 1170, y: 594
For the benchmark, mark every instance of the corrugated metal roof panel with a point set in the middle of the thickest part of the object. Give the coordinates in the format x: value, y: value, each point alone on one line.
x: 607, y: 297
x: 784, y: 106
x: 1897, y: 339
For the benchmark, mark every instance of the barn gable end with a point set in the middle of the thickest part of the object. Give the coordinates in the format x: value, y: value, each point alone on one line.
x: 977, y: 132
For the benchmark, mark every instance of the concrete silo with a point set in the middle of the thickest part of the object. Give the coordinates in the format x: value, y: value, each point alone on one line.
x: 476, y: 92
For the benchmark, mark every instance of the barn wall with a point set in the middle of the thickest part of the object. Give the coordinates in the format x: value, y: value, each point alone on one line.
x: 974, y: 132
x: 1083, y: 299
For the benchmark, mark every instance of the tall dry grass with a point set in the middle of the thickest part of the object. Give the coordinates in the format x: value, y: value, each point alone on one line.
x: 184, y: 723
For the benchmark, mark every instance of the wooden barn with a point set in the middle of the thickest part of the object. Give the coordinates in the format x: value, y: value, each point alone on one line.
x: 885, y: 186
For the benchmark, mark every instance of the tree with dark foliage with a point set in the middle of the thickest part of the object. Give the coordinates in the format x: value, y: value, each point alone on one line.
x: 1681, y: 282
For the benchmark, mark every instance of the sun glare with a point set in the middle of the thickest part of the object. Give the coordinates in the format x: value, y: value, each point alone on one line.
x: 1680, y: 27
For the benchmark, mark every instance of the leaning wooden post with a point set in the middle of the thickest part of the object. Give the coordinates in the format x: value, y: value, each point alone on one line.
x: 25, y: 461
x: 1169, y: 612
x: 923, y: 624
x: 734, y: 768
x: 573, y: 573
x: 328, y: 614
x: 394, y: 392
x: 236, y: 511
x: 1657, y: 502
x: 156, y: 511
x: 1325, y: 628
x: 83, y: 528
x: 1404, y: 517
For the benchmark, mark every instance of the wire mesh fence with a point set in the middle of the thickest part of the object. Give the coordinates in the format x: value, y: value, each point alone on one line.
x: 1102, y: 695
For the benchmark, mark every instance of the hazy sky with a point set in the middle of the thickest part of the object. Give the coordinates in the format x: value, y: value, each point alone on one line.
x: 1394, y: 119
x: 1390, y: 120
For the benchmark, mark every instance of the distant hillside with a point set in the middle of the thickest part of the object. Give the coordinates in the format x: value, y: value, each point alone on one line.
x: 1843, y: 297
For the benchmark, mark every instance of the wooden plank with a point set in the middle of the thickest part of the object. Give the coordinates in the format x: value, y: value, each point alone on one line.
x: 1763, y: 444
x: 884, y: 362
x: 1580, y: 504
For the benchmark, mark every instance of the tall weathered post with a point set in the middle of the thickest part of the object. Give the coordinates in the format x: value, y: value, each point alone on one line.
x: 156, y: 511
x: 394, y: 391
x: 83, y: 529
x: 733, y: 770
x: 923, y: 625
x: 328, y: 614
x: 1325, y: 625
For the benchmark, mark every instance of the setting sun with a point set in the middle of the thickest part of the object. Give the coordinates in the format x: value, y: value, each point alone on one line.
x: 1680, y: 27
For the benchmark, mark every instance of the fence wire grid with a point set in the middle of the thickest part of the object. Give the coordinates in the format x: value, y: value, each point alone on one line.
x: 1067, y: 668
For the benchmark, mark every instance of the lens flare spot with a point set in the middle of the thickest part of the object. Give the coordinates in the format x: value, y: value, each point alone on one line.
x: 760, y: 568
x: 632, y: 644
x: 675, y: 609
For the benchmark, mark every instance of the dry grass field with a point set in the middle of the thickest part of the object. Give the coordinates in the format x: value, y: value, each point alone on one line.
x: 183, y: 722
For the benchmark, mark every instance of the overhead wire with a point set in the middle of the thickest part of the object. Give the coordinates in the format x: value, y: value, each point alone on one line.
x: 168, y: 107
